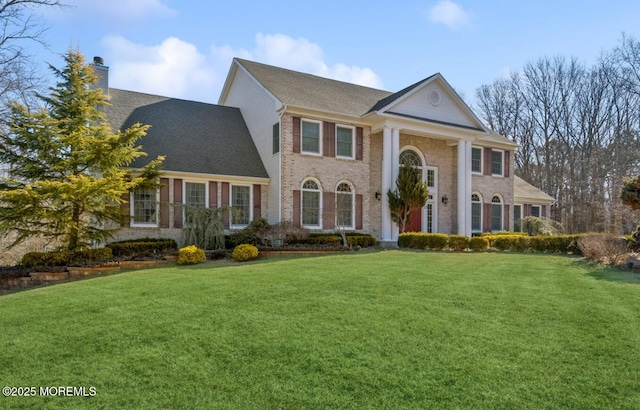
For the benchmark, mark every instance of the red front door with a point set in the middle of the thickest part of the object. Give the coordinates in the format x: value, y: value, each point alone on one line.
x: 415, y: 222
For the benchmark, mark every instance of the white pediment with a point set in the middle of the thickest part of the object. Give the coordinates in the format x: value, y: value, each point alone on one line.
x: 435, y: 100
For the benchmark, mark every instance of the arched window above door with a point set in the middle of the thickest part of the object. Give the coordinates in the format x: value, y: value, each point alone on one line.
x: 411, y: 158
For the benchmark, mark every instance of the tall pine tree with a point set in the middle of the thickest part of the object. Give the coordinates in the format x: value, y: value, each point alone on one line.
x: 67, y: 177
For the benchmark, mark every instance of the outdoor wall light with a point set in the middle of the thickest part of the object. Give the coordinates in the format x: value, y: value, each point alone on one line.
x: 378, y: 195
x: 445, y: 200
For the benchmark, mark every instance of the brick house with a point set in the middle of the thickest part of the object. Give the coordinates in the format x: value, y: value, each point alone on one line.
x: 290, y: 146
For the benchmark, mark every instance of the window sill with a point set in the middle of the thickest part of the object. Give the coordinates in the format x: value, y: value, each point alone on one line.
x: 143, y: 225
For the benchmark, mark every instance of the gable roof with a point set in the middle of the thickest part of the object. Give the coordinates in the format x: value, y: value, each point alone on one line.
x: 194, y: 137
x: 309, y: 91
x: 524, y: 191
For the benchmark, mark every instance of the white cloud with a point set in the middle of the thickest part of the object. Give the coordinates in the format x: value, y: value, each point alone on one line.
x: 177, y: 68
x: 449, y: 13
x: 174, y: 68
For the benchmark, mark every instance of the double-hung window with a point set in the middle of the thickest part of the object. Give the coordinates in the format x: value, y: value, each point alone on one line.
x: 144, y: 203
x: 476, y: 160
x: 311, y: 137
x: 195, y: 194
x: 497, y: 157
x: 535, y: 210
x: 310, y: 204
x: 476, y: 213
x: 241, y: 205
x: 344, y: 206
x: 344, y: 142
x: 496, y: 213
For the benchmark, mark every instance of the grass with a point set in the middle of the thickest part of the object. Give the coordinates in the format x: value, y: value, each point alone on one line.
x: 392, y: 329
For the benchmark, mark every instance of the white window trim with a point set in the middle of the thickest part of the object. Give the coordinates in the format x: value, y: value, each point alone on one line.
x: 353, y: 142
x: 240, y: 226
x: 539, y: 210
x: 353, y: 206
x: 302, y: 191
x: 481, y: 212
x: 433, y: 193
x: 184, y: 196
x: 501, y: 212
x: 521, y: 216
x: 481, y: 172
x: 501, y: 174
x: 135, y: 224
x: 319, y: 153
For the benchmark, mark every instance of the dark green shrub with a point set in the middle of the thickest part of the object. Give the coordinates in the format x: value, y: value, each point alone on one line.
x: 422, y: 240
x: 90, y: 256
x: 142, y: 249
x: 32, y: 259
x: 256, y: 233
x: 362, y: 240
x: 458, y: 242
x: 478, y: 243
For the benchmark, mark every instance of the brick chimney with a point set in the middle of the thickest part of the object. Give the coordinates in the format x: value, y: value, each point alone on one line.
x: 103, y: 74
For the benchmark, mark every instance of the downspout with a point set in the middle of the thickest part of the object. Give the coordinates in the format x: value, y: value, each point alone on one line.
x: 282, y: 110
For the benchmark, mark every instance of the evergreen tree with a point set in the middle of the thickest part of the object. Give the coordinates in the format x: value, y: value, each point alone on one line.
x: 66, y: 177
x: 411, y: 193
x: 630, y: 194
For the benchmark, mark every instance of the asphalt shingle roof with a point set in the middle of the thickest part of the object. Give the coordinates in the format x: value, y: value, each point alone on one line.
x: 195, y: 137
x: 309, y: 91
x: 523, y: 189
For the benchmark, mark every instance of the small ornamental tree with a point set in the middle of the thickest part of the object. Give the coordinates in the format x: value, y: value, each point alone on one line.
x: 66, y: 176
x: 411, y: 193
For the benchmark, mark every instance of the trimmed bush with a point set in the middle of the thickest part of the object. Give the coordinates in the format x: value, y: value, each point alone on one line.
x: 90, y: 256
x: 244, y: 252
x: 32, y: 259
x: 191, y: 255
x: 458, y: 242
x: 142, y: 248
x: 362, y: 240
x: 421, y: 240
x: 478, y: 243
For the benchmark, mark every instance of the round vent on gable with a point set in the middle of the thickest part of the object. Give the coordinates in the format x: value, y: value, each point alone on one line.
x: 435, y: 98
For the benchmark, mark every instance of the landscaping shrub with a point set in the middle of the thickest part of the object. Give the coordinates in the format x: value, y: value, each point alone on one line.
x: 362, y: 240
x: 10, y: 272
x: 634, y: 241
x: 90, y: 256
x: 256, y: 233
x: 608, y: 249
x: 478, y: 243
x: 458, y: 242
x: 514, y: 243
x: 32, y: 259
x: 142, y: 248
x: 244, y: 252
x: 191, y: 255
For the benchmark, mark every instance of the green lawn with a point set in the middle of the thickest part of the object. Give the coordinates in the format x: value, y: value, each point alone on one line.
x: 391, y: 329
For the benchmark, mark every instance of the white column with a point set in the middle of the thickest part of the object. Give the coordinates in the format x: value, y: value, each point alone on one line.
x: 462, y: 188
x: 468, y: 188
x: 395, y: 168
x: 386, y: 183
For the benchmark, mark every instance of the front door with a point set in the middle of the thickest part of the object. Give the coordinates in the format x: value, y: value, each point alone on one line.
x: 415, y: 221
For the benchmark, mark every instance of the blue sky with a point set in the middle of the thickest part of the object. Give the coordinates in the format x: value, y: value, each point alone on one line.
x: 183, y: 49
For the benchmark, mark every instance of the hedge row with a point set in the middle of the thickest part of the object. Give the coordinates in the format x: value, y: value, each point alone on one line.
x: 64, y: 258
x: 142, y: 248
x: 503, y: 242
x: 353, y: 239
